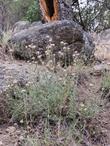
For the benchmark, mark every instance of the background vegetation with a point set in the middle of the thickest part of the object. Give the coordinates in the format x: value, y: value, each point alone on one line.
x: 93, y: 15
x: 12, y: 11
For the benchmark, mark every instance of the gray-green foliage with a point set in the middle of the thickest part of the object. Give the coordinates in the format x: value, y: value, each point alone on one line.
x: 51, y: 99
x: 33, y: 13
x: 94, y: 14
x: 12, y: 11
x: 47, y: 97
x: 106, y: 81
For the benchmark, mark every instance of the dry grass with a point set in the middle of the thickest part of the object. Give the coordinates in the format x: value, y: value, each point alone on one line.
x: 51, y: 105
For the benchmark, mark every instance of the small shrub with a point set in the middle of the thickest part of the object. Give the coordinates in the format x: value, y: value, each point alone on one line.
x: 90, y: 109
x: 51, y: 103
x: 6, y: 37
x: 33, y: 13
x: 106, y: 87
x: 106, y: 81
x: 47, y: 97
x: 30, y: 141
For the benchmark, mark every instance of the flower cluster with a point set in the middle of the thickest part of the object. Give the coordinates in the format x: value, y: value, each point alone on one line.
x: 65, y: 55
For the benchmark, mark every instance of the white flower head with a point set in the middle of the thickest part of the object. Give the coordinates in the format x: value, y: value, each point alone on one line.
x: 50, y: 39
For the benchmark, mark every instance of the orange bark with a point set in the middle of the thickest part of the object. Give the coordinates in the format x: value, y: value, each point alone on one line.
x: 50, y: 10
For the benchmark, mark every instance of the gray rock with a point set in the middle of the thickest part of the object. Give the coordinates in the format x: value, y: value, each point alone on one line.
x: 66, y: 11
x: 102, y: 45
x: 36, y: 23
x: 89, y: 45
x: 105, y: 35
x: 37, y: 40
x: 20, y: 25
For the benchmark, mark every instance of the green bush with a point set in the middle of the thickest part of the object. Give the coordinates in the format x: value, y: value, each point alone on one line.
x: 33, y: 13
x: 47, y: 98
x: 51, y: 101
x: 106, y: 81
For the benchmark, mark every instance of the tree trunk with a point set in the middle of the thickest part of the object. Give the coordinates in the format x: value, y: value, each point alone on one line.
x: 55, y: 10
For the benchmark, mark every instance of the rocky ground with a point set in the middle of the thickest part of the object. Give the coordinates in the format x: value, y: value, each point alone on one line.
x: 89, y: 87
x: 90, y: 79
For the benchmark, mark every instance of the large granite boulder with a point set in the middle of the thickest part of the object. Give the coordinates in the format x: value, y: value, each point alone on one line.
x: 89, y: 45
x: 20, y: 25
x: 102, y: 45
x: 62, y: 39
